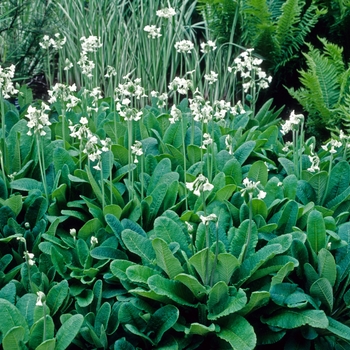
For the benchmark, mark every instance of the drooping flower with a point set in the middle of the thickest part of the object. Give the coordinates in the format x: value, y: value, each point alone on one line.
x: 175, y: 114
x: 199, y: 185
x: 250, y: 187
x: 38, y: 119
x: 41, y: 298
x: 6, y: 85
x: 181, y: 85
x: 207, y: 219
x: 292, y: 123
x: 136, y: 149
x: 207, y: 140
x: 208, y: 46
x: 212, y: 77
x: 184, y: 46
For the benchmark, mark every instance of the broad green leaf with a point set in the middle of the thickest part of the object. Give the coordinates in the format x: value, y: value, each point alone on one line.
x: 37, y: 331
x: 162, y: 168
x: 288, y: 165
x: 259, y: 208
x: 238, y: 333
x: 339, y: 180
x: 118, y: 268
x: 56, y: 296
x: 165, y: 258
x: 11, y: 317
x: 130, y: 314
x: 319, y: 184
x: 36, y: 211
x: 123, y: 344
x: 15, y: 203
x: 157, y: 196
x: 316, y: 231
x: 223, y: 301
x: 290, y: 319
x: 193, y: 284
x: 244, y: 239
x: 90, y: 228
x: 168, y: 230
x: 326, y: 266
x: 282, y: 273
x: 102, y: 318
x: 161, y: 321
x: 244, y: 151
x: 322, y: 290
x: 9, y: 292
x: 225, y: 267
x: 139, y: 245
x: 252, y: 264
x: 339, y: 329
x: 26, y: 184
x: 26, y: 305
x: 257, y: 299
x: 62, y: 157
x: 85, y: 298
x: 203, y: 262
x: 14, y: 339
x: 200, y: 329
x: 258, y: 172
x: 289, y: 217
x: 68, y: 331
x: 174, y: 290
x: 140, y: 273
x: 49, y: 344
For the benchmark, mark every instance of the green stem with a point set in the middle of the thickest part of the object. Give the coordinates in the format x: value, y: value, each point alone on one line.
x: 328, y: 178
x: 216, y: 255
x: 184, y: 157
x: 130, y: 157
x: 102, y: 186
x: 41, y: 158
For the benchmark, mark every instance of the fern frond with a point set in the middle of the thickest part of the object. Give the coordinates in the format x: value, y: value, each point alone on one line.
x: 285, y: 25
x: 335, y: 54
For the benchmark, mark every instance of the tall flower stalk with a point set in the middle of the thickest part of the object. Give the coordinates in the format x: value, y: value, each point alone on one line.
x: 38, y: 120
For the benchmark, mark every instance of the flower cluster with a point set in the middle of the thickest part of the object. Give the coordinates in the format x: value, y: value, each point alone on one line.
x: 81, y: 130
x: 201, y: 110
x: 111, y: 72
x: 175, y: 114
x: 153, y: 31
x: 94, y: 150
x: 208, y: 46
x: 57, y: 42
x: 161, y: 98
x: 181, y: 85
x: 62, y: 92
x: 131, y: 88
x: 136, y: 149
x: 250, y: 187
x: 207, y: 219
x: 212, y: 77
x: 166, y: 12
x: 90, y: 44
x: 250, y: 72
x: 38, y: 119
x: 207, y: 140
x: 184, y: 46
x: 6, y: 84
x: 292, y: 123
x: 331, y: 145
x: 199, y: 185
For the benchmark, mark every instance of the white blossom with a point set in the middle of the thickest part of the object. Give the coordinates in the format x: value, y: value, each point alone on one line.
x: 181, y: 85
x: 207, y: 219
x: 153, y: 31
x: 41, y: 298
x: 212, y: 77
x: 184, y: 46
x: 38, y: 119
x: 175, y: 114
x: 208, y: 46
x: 6, y: 85
x: 166, y: 12
x: 199, y: 185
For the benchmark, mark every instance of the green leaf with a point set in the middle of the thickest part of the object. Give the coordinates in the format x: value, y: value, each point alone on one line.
x: 123, y: 344
x: 316, y: 231
x: 203, y: 262
x: 258, y: 172
x: 68, y: 331
x: 36, y: 210
x: 161, y: 321
x: 37, y: 331
x: 238, y: 333
x: 168, y: 230
x: 90, y: 228
x: 139, y: 245
x: 56, y: 296
x: 11, y: 317
x: 290, y: 319
x: 244, y: 151
x: 165, y: 258
x: 282, y: 273
x: 197, y: 328
x: 322, y: 290
x: 159, y: 174
x: 102, y: 318
x: 174, y: 290
x: 140, y: 273
x: 193, y: 284
x: 339, y: 180
x: 289, y: 217
x: 118, y: 268
x: 225, y: 267
x: 319, y: 184
x: 338, y: 328
x: 223, y: 301
x: 326, y: 266
x: 49, y: 344
x: 288, y: 165
x: 14, y: 339
x: 27, y: 185
x: 257, y: 299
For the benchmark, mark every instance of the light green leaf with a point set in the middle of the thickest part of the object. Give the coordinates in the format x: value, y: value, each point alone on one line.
x: 289, y: 217
x: 257, y: 300
x: 11, y: 317
x: 319, y: 183
x: 290, y: 319
x: 139, y: 245
x: 225, y: 267
x: 238, y: 333
x: 174, y: 290
x: 14, y: 338
x: 244, y: 151
x: 140, y: 273
x: 203, y: 262
x: 316, y: 231
x: 322, y: 290
x: 102, y: 318
x: 118, y: 268
x: 90, y: 228
x: 193, y: 284
x: 49, y: 344
x: 57, y: 295
x: 37, y: 331
x: 258, y: 172
x: 326, y: 266
x: 223, y: 301
x: 68, y: 331
x: 338, y: 328
x: 197, y: 328
x: 282, y: 273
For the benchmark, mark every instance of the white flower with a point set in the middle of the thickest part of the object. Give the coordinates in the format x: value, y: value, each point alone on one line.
x: 41, y: 298
x: 331, y: 145
x: 58, y: 42
x: 315, y: 163
x: 93, y: 240
x: 261, y: 194
x: 6, y: 85
x: 67, y: 64
x: 250, y: 187
x: 111, y: 71
x: 207, y: 140
x: 166, y: 12
x: 38, y: 119
x: 46, y: 43
x: 29, y: 257
x: 136, y: 149
x: 184, y: 46
x: 190, y: 227
x: 212, y: 77
x: 228, y: 143
x: 293, y: 123
x: 73, y: 232
x: 90, y: 44
x: 153, y: 31
x: 207, y: 219
x: 208, y: 46
x: 175, y: 114
x: 199, y: 185
x: 181, y: 85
